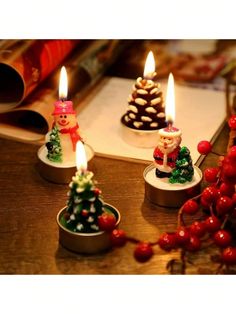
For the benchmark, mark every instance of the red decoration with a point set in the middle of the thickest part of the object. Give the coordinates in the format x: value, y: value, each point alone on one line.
x: 106, y: 222
x: 143, y: 252
x: 190, y: 207
x: 232, y: 122
x: 204, y: 147
x: 222, y: 238
x: 118, y: 238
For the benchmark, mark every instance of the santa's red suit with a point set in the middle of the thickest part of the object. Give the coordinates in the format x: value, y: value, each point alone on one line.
x: 171, y: 157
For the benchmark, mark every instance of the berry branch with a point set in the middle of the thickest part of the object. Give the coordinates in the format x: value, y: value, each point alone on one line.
x: 217, y: 204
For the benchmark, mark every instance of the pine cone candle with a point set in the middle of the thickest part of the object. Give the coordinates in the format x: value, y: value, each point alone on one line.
x: 84, y: 205
x: 145, y: 106
x: 145, y: 113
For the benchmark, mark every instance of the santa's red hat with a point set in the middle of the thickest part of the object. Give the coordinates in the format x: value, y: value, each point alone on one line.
x: 63, y: 107
x: 170, y: 132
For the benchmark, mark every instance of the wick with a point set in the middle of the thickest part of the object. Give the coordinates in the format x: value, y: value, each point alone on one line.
x: 169, y: 125
x: 62, y: 99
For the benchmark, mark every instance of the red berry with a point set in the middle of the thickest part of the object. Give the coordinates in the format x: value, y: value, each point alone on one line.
x: 229, y: 255
x: 234, y: 198
x: 167, y: 241
x: 97, y: 191
x: 84, y: 212
x: 194, y: 244
x: 212, y: 224
x: 232, y: 122
x: 232, y: 154
x: 227, y: 189
x: 224, y: 205
x: 118, y: 238
x: 210, y: 194
x: 190, y: 207
x: 222, y: 238
x: 143, y: 252
x: 198, y: 228
x: 210, y: 174
x: 106, y: 222
x: 229, y: 173
x: 204, y: 204
x: 204, y: 147
x: 182, y: 235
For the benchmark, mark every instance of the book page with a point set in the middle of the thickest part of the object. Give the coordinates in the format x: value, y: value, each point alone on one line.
x: 200, y: 114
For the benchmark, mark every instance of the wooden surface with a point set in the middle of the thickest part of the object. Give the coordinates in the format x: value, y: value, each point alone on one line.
x: 29, y: 205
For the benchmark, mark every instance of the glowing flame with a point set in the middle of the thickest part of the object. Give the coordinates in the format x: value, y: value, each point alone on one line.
x: 63, y: 84
x: 149, y: 68
x: 81, y: 160
x: 170, y: 100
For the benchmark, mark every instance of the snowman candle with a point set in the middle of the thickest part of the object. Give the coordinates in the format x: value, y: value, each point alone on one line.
x: 172, y: 178
x: 64, y: 135
x: 57, y: 158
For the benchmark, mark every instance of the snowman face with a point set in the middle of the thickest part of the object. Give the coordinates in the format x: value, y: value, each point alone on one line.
x: 65, y: 120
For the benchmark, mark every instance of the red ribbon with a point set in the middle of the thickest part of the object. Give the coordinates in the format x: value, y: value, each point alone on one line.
x: 75, y: 137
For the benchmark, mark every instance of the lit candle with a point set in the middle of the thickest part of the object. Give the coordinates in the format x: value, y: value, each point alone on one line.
x: 167, y: 150
x: 65, y: 132
x: 86, y: 221
x: 145, y: 110
x: 149, y: 68
x: 169, y: 179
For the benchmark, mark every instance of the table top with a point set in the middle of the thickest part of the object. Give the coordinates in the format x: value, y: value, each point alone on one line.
x: 29, y: 206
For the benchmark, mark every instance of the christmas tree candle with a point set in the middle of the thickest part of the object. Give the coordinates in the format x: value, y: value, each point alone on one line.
x: 86, y: 220
x: 172, y: 174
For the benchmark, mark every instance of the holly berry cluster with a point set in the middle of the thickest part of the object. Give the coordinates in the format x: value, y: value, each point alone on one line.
x: 217, y: 206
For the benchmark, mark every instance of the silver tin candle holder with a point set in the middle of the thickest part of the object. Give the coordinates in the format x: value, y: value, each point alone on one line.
x: 86, y: 243
x: 161, y: 192
x: 58, y: 172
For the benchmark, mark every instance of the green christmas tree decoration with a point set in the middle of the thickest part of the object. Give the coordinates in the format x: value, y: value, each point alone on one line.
x: 183, y: 171
x: 54, y: 146
x: 84, y: 204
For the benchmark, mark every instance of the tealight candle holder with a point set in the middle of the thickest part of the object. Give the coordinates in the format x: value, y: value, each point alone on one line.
x: 86, y: 243
x: 145, y: 113
x: 172, y: 178
x: 56, y: 159
x: 86, y: 222
x: 161, y: 192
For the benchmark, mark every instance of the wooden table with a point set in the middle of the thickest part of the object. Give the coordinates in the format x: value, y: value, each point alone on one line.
x: 29, y: 205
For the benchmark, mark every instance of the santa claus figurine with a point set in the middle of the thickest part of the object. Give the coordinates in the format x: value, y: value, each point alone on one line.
x: 62, y: 139
x: 167, y: 151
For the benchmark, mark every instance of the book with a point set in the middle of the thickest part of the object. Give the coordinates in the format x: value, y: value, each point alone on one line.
x: 27, y: 115
x: 200, y: 114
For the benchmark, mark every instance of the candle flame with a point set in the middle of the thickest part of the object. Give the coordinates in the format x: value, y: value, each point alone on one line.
x: 63, y: 84
x: 170, y: 100
x: 149, y: 67
x: 81, y: 160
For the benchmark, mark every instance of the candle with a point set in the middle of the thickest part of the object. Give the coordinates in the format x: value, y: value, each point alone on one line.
x: 65, y: 131
x: 169, y: 180
x: 167, y: 150
x: 86, y: 221
x: 145, y: 112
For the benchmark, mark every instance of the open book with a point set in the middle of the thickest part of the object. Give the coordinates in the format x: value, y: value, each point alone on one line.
x: 29, y: 74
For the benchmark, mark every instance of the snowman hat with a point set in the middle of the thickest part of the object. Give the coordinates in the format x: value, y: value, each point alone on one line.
x: 170, y: 132
x: 63, y: 107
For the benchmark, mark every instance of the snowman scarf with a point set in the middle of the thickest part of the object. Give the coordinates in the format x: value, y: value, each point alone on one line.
x: 74, y: 136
